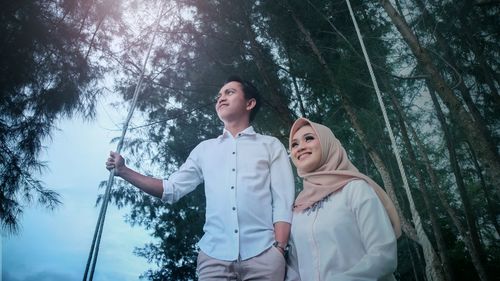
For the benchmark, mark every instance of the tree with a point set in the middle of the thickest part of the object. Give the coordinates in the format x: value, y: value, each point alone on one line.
x: 319, y: 74
x: 46, y: 74
x: 486, y: 150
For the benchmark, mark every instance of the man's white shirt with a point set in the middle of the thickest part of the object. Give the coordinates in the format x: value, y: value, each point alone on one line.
x: 249, y: 186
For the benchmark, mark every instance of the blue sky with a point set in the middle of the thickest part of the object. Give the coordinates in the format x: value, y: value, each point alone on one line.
x: 54, y: 245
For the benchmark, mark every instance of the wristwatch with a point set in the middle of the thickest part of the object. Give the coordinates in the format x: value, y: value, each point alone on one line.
x: 281, y: 245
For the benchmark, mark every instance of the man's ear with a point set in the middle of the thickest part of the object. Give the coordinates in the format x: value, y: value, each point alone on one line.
x: 251, y: 104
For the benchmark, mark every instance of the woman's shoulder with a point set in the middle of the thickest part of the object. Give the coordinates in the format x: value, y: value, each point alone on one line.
x: 357, y: 184
x: 359, y: 190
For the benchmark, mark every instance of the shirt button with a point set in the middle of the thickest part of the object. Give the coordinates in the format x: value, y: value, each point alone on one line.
x: 234, y: 169
x: 236, y: 231
x: 234, y: 152
x: 232, y: 187
x: 234, y: 208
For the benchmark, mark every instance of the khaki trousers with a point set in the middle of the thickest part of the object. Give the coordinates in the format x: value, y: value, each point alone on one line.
x: 267, y: 266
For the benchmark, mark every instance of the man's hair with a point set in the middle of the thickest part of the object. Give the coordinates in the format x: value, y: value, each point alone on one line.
x: 250, y: 92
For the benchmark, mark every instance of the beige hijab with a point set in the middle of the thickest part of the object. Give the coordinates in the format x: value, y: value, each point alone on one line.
x: 333, y: 173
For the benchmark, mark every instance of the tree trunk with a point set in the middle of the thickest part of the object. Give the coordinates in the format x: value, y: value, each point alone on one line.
x: 450, y: 59
x: 475, y: 257
x: 438, y: 235
x: 488, y: 73
x: 433, y: 268
x: 469, y: 214
x: 477, y: 132
x: 277, y: 99
x: 490, y: 204
x: 91, y: 44
x: 413, y: 262
x: 296, y: 86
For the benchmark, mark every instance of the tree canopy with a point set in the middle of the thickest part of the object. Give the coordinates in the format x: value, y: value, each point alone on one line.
x: 436, y: 62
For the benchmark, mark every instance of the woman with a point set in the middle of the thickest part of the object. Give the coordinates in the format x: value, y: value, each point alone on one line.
x: 341, y: 229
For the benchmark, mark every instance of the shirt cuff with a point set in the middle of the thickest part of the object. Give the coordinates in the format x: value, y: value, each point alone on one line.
x: 168, y: 192
x: 283, y: 217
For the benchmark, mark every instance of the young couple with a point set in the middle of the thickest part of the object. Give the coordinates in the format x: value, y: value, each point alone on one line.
x: 342, y: 224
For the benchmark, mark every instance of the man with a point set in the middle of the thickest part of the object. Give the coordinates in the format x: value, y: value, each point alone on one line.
x: 249, y: 192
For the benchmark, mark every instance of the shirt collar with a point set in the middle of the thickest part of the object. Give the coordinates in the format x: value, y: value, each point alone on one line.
x: 247, y: 132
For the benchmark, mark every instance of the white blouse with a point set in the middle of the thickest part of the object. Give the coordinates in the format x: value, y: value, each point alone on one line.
x: 345, y: 237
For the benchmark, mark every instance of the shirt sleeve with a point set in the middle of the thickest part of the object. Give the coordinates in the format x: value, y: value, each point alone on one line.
x: 282, y: 183
x: 377, y: 236
x: 185, y: 179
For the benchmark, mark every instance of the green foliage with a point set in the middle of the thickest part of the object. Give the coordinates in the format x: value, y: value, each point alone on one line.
x: 45, y: 74
x: 260, y: 41
x: 53, y: 53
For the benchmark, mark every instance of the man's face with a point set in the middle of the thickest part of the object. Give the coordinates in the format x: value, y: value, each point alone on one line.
x: 231, y: 104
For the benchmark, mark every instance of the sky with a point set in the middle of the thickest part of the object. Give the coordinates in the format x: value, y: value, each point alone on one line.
x: 54, y: 245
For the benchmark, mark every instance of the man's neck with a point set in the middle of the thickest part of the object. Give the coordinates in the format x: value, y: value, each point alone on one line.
x: 236, y: 126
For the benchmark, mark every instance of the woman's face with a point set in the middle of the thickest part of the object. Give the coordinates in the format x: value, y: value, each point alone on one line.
x: 305, y: 149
